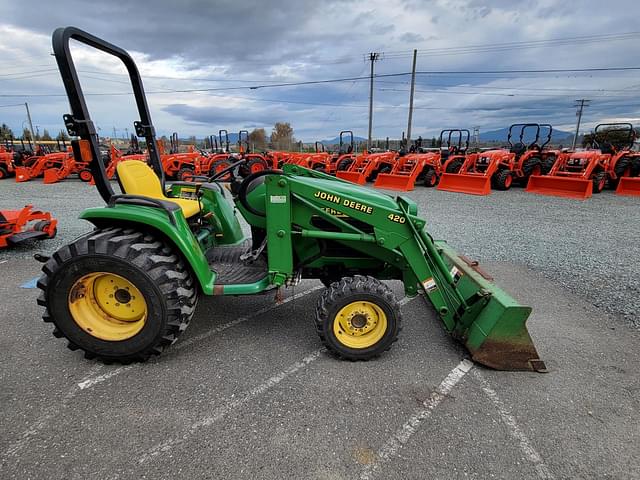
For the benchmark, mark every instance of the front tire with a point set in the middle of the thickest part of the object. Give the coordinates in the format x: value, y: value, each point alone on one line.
x: 430, y: 178
x: 599, y: 181
x: 117, y: 294
x: 503, y: 180
x: 358, y: 318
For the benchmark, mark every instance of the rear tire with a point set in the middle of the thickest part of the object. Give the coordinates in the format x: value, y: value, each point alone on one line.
x: 3, y: 173
x: 547, y: 164
x: 358, y: 318
x: 218, y: 166
x: 167, y: 301
x: 185, y: 174
x: 344, y: 164
x: 503, y: 180
x: 254, y: 165
x: 430, y: 178
x: 623, y: 168
x: 532, y: 166
x: 599, y: 181
x: 454, y: 166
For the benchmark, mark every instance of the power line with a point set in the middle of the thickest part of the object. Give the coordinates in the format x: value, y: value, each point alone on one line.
x: 349, y: 79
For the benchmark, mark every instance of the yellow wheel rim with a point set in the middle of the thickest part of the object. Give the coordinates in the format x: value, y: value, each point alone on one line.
x: 107, y: 306
x: 360, y: 324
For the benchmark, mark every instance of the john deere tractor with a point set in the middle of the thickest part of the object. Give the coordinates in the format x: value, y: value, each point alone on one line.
x: 127, y: 289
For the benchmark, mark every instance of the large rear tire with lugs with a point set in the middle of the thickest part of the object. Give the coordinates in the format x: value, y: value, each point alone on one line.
x: 118, y: 294
x: 358, y: 318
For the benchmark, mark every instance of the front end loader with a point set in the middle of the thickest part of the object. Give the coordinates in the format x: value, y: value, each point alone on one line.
x: 580, y: 174
x: 127, y: 289
x: 424, y: 166
x: 498, y: 168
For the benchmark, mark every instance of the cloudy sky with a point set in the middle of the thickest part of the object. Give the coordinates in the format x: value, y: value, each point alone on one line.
x: 220, y: 49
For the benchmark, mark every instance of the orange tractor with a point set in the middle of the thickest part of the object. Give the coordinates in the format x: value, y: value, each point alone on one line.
x: 367, y: 166
x: 345, y: 155
x: 9, y: 159
x: 67, y: 166
x: 423, y: 165
x: 177, y: 165
x: 498, y: 168
x: 219, y: 156
x: 583, y: 173
x: 255, y: 162
x: 18, y: 226
x: 43, y: 159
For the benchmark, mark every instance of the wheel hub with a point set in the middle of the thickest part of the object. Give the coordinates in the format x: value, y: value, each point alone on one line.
x: 360, y: 324
x: 107, y: 306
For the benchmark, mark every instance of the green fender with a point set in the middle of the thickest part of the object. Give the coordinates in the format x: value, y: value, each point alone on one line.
x: 177, y: 233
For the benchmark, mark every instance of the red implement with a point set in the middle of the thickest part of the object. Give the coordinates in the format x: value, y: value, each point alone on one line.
x: 558, y: 186
x: 473, y: 184
x: 629, y: 186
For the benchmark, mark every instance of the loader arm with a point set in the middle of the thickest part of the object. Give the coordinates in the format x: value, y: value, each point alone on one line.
x: 302, y: 207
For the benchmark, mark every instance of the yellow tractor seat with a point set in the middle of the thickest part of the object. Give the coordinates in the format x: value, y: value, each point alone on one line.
x: 137, y: 178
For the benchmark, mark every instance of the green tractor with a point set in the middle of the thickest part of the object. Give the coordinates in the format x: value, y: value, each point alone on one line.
x: 128, y: 289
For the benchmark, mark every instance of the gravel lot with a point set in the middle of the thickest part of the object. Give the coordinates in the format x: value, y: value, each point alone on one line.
x: 590, y: 247
x: 248, y: 392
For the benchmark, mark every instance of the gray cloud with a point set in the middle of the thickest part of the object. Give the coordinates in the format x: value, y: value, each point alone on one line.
x: 410, y: 37
x: 256, y: 42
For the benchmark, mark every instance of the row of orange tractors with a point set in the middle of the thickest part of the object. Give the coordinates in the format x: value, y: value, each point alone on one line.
x: 451, y: 167
x: 610, y: 161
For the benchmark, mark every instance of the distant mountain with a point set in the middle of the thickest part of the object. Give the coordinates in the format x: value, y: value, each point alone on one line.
x: 336, y: 140
x: 501, y: 135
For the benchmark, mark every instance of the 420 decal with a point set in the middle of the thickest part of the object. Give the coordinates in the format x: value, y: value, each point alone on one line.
x: 396, y: 218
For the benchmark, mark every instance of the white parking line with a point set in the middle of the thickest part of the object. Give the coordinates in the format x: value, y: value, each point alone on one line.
x: 230, y: 406
x: 118, y: 370
x: 402, y: 436
x: 92, y: 379
x: 514, y: 430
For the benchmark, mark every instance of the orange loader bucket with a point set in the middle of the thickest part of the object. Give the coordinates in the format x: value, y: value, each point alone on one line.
x: 461, y: 183
x: 629, y: 186
x: 51, y: 175
x: 567, y: 187
x: 22, y: 174
x: 355, y: 177
x: 404, y: 183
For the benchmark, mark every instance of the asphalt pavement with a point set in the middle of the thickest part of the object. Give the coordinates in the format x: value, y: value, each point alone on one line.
x: 248, y: 391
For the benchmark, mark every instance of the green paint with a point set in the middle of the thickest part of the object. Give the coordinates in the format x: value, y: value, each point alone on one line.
x: 315, y: 223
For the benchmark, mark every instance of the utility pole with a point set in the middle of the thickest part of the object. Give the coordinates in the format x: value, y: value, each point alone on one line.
x: 413, y: 86
x: 580, y: 104
x: 373, y: 58
x: 33, y: 138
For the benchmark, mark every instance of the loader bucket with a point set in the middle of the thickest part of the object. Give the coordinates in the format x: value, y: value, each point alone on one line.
x: 567, y: 187
x: 497, y: 335
x: 51, y: 175
x: 355, y: 177
x: 471, y: 184
x: 22, y: 174
x: 629, y: 186
x: 404, y: 183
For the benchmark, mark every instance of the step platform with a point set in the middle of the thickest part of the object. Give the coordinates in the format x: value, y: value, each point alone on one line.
x: 231, y: 269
